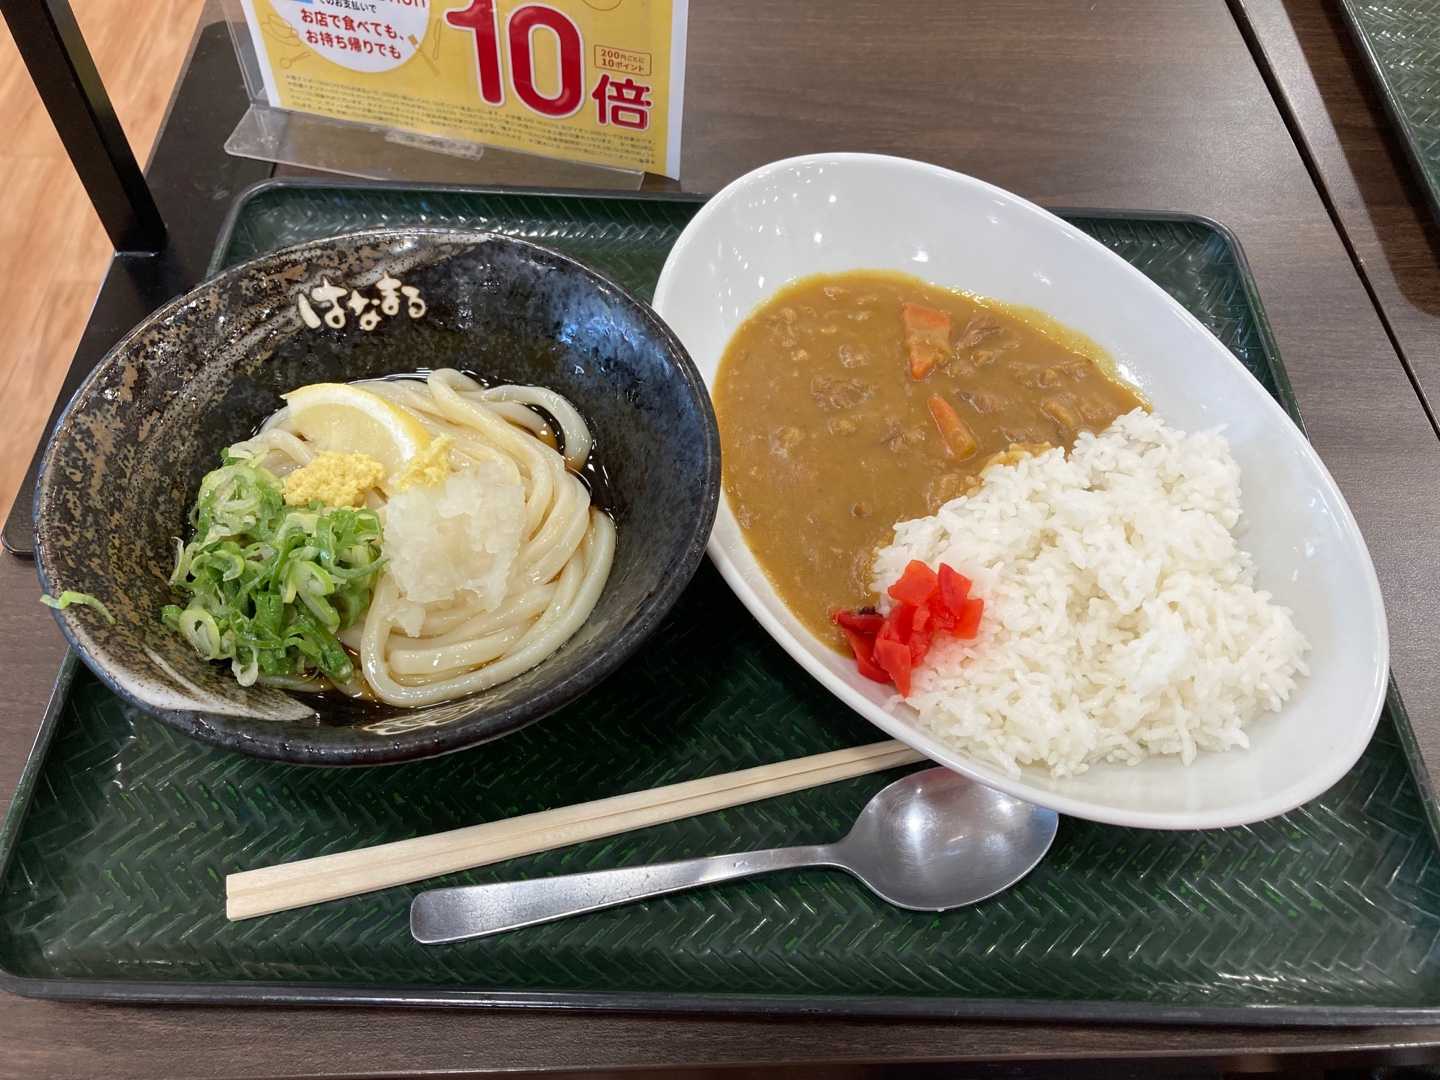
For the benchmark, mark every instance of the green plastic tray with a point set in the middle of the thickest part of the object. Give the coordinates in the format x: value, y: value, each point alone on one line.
x: 122, y: 830
x: 1400, y: 41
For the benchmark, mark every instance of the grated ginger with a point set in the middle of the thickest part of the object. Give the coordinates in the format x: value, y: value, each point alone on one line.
x: 429, y: 466
x: 334, y: 479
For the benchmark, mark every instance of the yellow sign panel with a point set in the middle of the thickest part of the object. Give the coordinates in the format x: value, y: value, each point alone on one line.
x: 600, y: 81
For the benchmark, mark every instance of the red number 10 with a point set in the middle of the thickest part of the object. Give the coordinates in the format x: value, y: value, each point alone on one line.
x: 481, y: 19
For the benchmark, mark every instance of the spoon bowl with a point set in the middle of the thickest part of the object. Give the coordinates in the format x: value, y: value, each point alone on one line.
x: 935, y: 840
x: 930, y: 841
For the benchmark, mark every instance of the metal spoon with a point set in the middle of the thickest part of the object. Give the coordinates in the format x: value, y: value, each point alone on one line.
x: 930, y: 841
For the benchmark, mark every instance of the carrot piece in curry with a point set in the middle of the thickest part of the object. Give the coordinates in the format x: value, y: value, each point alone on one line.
x: 959, y: 439
x: 927, y: 336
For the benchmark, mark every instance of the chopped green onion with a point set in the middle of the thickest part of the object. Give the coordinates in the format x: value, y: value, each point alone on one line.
x: 69, y: 596
x: 269, y: 586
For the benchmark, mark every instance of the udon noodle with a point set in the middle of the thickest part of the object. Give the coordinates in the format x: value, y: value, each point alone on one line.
x: 418, y: 654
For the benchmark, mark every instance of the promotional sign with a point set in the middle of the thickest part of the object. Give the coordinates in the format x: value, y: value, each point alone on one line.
x: 600, y: 81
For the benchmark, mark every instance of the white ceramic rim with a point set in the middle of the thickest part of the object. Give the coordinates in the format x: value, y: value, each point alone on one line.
x: 1269, y: 806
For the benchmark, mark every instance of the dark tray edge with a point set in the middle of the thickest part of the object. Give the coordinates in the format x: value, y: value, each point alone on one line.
x: 730, y: 1005
x: 226, y: 234
x: 179, y: 993
x: 14, y: 818
x: 1361, y: 36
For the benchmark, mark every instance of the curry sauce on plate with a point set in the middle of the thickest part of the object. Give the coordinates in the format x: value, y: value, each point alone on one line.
x: 850, y: 402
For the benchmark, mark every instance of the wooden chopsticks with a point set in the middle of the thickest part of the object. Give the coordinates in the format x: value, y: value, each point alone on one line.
x: 331, y: 877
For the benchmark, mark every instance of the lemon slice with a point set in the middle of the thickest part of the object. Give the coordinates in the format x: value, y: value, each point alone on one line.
x: 347, y: 419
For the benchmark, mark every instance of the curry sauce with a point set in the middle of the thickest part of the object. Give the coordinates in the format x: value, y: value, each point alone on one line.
x: 850, y: 402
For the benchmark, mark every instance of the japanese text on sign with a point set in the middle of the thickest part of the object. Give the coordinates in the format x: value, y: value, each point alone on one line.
x: 591, y: 80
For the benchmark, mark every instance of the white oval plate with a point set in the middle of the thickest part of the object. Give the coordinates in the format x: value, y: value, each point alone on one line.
x: 836, y: 212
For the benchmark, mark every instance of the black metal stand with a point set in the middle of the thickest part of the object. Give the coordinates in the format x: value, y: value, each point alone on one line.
x: 64, y: 73
x: 194, y: 180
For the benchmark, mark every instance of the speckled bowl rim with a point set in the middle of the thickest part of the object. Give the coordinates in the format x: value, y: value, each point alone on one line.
x: 280, y: 743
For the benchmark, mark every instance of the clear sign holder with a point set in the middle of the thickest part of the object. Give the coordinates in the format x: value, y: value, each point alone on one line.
x: 374, y: 152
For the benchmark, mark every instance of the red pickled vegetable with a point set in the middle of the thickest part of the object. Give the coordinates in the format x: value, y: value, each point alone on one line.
x: 954, y: 588
x: 864, y: 650
x: 920, y: 634
x: 968, y: 625
x: 920, y: 642
x: 898, y: 624
x: 921, y: 619
x: 942, y: 619
x: 865, y: 622
x: 916, y: 585
x: 927, y: 604
x: 894, y: 657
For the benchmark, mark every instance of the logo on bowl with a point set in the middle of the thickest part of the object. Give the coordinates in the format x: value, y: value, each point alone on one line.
x: 368, y: 309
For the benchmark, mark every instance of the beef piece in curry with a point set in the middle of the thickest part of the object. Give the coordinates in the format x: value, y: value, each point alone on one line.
x: 850, y: 402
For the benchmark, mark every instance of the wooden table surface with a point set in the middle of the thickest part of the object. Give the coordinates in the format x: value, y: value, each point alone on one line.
x: 1151, y: 104
x: 1340, y: 120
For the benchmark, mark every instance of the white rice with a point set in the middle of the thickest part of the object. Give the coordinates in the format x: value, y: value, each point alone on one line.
x: 1120, y: 617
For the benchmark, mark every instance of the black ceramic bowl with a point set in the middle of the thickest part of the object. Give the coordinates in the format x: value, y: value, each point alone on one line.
x: 123, y: 465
